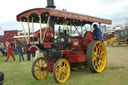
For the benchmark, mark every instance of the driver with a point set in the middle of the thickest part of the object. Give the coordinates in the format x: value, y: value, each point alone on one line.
x: 97, y: 32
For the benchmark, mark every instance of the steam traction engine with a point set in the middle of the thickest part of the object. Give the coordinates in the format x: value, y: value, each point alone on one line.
x: 65, y: 51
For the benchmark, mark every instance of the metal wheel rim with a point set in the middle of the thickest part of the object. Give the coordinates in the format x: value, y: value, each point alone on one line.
x: 62, y: 71
x: 115, y: 43
x: 38, y: 72
x: 99, y: 56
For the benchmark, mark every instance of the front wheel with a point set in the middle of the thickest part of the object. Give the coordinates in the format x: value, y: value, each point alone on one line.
x: 96, y: 56
x: 61, y: 70
x: 39, y: 68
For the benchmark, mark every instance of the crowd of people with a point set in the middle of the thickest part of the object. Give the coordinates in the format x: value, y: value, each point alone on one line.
x: 12, y: 49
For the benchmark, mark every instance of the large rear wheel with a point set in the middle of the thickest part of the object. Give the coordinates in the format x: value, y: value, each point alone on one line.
x: 61, y: 70
x: 39, y: 68
x: 96, y: 56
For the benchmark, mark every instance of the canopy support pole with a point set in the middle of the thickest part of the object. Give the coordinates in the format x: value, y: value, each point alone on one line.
x: 46, y: 28
x: 81, y: 28
x: 28, y: 30
x: 24, y: 30
x: 33, y: 28
x: 91, y: 28
x: 40, y: 29
x: 48, y: 22
x: 71, y: 29
x: 64, y: 24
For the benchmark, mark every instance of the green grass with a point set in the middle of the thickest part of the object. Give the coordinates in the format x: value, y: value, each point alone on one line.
x: 116, y: 72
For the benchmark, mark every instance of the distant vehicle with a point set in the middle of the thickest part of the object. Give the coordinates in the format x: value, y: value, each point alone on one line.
x: 108, y: 35
x: 120, y: 37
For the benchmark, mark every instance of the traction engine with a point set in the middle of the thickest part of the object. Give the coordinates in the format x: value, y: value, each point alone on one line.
x: 64, y: 51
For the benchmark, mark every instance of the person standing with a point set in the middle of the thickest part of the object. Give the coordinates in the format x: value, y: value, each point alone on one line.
x: 19, y: 48
x: 15, y: 49
x: 28, y: 52
x: 10, y: 52
x: 97, y: 33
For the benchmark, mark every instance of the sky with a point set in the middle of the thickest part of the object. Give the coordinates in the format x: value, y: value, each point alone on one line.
x: 115, y: 10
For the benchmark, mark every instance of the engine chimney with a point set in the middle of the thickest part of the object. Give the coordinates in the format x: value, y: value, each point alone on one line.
x: 50, y: 4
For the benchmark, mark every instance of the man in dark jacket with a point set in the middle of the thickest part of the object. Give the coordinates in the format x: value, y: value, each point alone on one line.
x: 19, y: 48
x: 97, y: 32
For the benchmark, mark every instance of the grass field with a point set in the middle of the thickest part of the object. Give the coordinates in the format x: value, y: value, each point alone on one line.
x: 116, y: 72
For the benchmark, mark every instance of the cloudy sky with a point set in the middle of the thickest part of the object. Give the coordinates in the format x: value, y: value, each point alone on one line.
x: 116, y: 10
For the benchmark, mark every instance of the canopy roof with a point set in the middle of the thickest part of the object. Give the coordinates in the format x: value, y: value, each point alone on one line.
x: 59, y: 17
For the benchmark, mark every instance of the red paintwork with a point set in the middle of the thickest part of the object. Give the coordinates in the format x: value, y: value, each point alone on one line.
x: 66, y: 52
x: 87, y: 39
x: 59, y: 13
x: 78, y: 41
x: 50, y: 65
x: 2, y: 39
x: 74, y: 56
x: 77, y: 58
x: 48, y: 37
x: 8, y: 36
x: 77, y: 52
x: 33, y: 48
x: 47, y: 46
x: 10, y: 52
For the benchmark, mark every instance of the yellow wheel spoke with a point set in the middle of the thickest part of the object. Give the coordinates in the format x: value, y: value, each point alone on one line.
x: 96, y: 49
x: 99, y: 56
x: 62, y: 70
x: 43, y: 73
x: 97, y: 67
x: 102, y: 62
x: 64, y: 67
x: 38, y: 72
x: 94, y: 53
x: 95, y: 62
x: 99, y: 50
x: 102, y: 53
x: 58, y: 70
x: 37, y: 65
x: 63, y: 76
x: 59, y: 64
x: 94, y: 58
x: 59, y: 76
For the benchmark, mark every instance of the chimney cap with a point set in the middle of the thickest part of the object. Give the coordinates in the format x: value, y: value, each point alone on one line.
x: 50, y: 4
